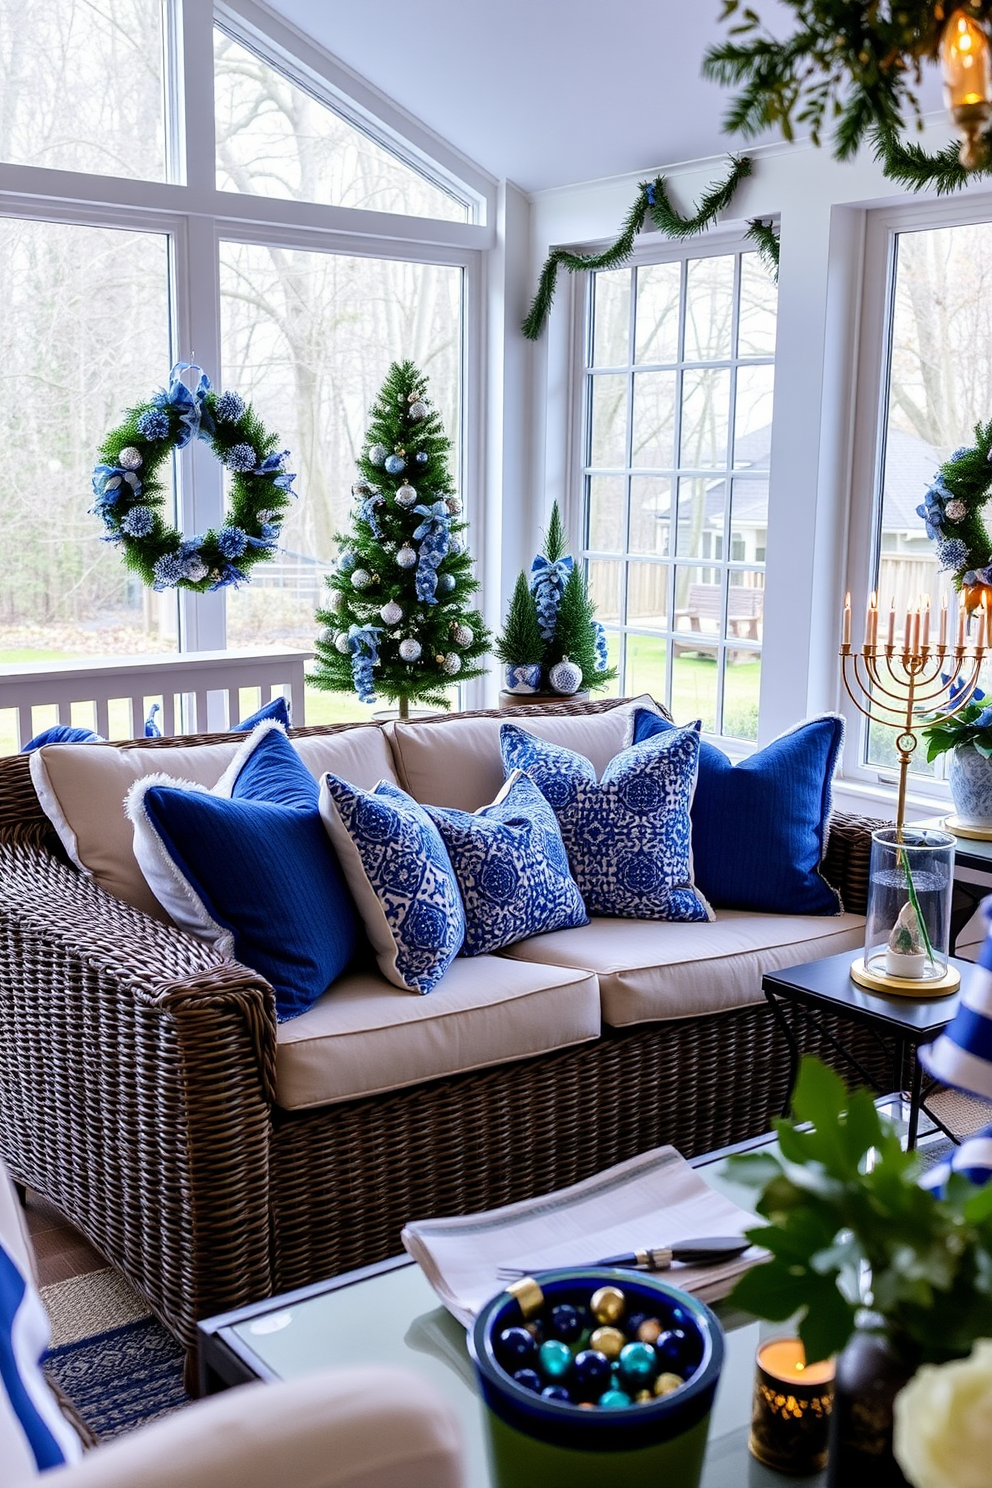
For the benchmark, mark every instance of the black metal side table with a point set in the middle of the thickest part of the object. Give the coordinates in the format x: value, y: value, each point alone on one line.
x: 900, y: 1024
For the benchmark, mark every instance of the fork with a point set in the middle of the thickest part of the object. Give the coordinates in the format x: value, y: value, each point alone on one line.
x: 705, y: 1252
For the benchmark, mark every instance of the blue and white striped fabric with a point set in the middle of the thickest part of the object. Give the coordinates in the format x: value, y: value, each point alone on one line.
x: 34, y: 1435
x: 962, y: 1055
x: 973, y: 1158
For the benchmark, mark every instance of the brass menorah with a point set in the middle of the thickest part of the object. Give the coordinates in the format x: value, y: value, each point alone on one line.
x: 894, y: 683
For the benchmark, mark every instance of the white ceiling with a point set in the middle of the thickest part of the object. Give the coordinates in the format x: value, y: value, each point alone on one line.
x: 535, y: 91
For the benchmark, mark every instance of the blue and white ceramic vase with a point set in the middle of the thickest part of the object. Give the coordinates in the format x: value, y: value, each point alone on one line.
x: 524, y: 678
x: 970, y: 778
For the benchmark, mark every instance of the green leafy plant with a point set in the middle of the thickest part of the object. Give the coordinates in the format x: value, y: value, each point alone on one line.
x: 849, y: 1226
x: 520, y: 643
x: 972, y: 725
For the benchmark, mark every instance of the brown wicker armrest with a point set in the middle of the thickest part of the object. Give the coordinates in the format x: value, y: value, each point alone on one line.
x: 136, y: 1075
x: 846, y: 861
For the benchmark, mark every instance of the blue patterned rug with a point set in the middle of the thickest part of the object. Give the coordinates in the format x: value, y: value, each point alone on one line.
x: 121, y: 1379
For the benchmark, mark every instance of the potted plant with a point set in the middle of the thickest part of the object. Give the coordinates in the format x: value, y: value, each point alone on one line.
x: 967, y: 735
x: 877, y: 1269
x: 520, y: 648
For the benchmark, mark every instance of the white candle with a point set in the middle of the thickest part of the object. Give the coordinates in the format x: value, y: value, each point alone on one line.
x: 916, y: 631
x: 846, y: 633
x: 943, y: 623
x: 926, y: 623
x: 892, y: 624
x: 960, y: 646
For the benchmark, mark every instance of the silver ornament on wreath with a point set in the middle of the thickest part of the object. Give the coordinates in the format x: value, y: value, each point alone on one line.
x: 406, y: 557
x: 129, y: 458
x: 410, y: 650
x: 361, y: 578
x: 391, y: 612
x: 451, y: 664
x: 406, y: 496
x: 565, y: 677
x: 462, y: 635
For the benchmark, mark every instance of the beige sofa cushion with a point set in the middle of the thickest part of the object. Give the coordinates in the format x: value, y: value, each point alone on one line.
x: 650, y: 972
x: 364, y: 1036
x: 457, y: 762
x: 82, y: 787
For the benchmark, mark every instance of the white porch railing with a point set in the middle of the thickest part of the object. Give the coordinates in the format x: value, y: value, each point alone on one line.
x: 197, y: 691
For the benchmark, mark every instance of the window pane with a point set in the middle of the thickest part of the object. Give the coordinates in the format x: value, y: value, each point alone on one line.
x: 647, y: 595
x: 749, y: 521
x: 647, y: 658
x: 701, y: 518
x: 741, y: 687
x: 309, y: 337
x: 611, y: 319
x: 654, y: 420
x: 650, y: 514
x: 604, y: 589
x: 709, y: 309
x: 607, y: 499
x: 758, y: 309
x: 84, y: 333
x: 658, y: 288
x: 705, y: 417
x: 694, y: 685
x: 753, y: 417
x: 82, y: 86
x: 274, y: 139
x: 609, y: 422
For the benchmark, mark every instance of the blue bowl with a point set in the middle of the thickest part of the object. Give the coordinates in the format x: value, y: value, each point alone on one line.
x: 540, y: 1443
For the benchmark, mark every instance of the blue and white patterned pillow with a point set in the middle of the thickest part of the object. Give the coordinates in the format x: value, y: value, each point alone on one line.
x: 627, y: 836
x: 512, y: 868
x: 401, y: 879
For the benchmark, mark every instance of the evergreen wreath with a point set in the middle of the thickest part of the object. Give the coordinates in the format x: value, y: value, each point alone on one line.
x: 129, y: 497
x: 952, y: 514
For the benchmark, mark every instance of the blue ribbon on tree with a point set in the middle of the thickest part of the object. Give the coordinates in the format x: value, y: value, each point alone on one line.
x: 547, y: 582
x: 363, y: 643
x: 434, y: 537
x: 196, y: 419
x: 367, y: 513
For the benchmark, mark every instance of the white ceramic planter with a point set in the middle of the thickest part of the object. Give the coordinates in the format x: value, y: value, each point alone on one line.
x: 969, y: 775
x: 908, y: 964
x: 525, y: 678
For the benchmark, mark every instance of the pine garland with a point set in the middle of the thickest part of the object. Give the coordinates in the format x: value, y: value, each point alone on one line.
x: 766, y: 238
x: 912, y: 166
x: 652, y: 201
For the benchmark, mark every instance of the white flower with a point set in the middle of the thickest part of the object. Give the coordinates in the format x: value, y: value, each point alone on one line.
x: 943, y: 1423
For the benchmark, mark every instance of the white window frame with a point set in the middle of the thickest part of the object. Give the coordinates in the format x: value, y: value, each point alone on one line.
x: 883, y: 226
x: 197, y: 217
x: 718, y: 243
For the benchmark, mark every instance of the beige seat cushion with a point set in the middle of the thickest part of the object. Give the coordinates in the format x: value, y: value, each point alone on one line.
x: 364, y: 1036
x: 649, y: 971
x: 457, y: 762
x: 82, y: 787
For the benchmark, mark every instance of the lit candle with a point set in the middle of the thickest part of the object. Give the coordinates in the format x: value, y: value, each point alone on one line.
x: 873, y: 620
x: 916, y: 631
x: 926, y: 623
x: 892, y: 623
x: 907, y: 635
x: 960, y: 645
x: 943, y: 624
x: 846, y: 634
x: 791, y: 1410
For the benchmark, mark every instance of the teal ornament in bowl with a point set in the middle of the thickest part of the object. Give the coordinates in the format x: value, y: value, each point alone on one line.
x: 523, y: 678
x: 539, y: 1440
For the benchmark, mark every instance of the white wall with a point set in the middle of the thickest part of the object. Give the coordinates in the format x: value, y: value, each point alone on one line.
x: 822, y: 207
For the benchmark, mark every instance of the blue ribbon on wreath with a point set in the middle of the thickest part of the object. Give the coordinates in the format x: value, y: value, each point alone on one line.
x: 434, y: 537
x: 547, y: 583
x: 272, y: 467
x: 193, y: 415
x: 363, y: 643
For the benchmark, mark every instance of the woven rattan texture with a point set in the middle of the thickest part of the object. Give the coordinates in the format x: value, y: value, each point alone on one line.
x: 136, y: 1079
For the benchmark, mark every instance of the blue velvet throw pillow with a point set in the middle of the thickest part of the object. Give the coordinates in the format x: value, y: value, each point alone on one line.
x: 627, y: 836
x: 511, y: 867
x: 248, y: 868
x: 61, y: 733
x: 759, y: 828
x: 401, y: 877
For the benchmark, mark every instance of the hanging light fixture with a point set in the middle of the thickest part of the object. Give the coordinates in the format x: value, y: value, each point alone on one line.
x: 966, y: 62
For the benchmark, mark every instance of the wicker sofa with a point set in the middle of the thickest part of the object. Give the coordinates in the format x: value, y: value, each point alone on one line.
x: 140, y: 1075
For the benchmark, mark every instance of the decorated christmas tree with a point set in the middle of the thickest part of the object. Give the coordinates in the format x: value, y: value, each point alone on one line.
x: 552, y: 620
x: 397, y: 623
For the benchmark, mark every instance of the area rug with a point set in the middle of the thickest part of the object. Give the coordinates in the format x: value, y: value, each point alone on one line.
x: 114, y: 1362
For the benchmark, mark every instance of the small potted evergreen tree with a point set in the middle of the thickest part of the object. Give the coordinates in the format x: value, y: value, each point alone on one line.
x: 521, y: 648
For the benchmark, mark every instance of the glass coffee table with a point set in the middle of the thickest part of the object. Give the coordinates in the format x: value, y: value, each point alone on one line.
x: 388, y: 1314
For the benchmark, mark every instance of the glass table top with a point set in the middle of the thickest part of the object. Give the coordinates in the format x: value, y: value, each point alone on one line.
x: 394, y: 1318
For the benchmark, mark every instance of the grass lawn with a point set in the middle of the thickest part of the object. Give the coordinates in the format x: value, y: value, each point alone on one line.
x: 694, y: 685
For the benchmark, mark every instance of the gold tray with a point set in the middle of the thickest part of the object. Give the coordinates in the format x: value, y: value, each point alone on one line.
x: 977, y: 834
x: 905, y: 986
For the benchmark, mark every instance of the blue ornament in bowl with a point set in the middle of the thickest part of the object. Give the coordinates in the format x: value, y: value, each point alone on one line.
x: 394, y: 464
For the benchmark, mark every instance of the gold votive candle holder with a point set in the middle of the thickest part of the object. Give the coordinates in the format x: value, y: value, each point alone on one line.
x: 790, y: 1414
